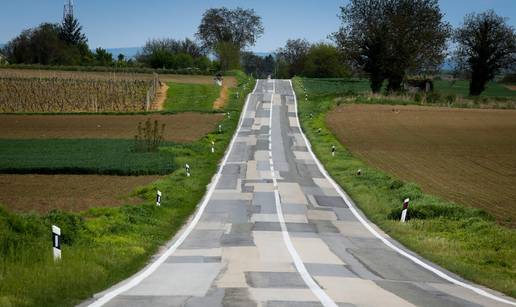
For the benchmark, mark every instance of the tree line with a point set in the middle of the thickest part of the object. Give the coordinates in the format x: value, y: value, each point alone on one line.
x: 387, y: 40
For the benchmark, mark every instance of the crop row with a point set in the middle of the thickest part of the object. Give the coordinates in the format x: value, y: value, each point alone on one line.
x: 75, y: 95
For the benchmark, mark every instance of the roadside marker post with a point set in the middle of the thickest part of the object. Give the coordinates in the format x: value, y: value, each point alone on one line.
x: 333, y: 150
x: 405, y: 209
x: 220, y: 128
x: 212, y: 146
x: 319, y: 131
x: 158, y: 198
x: 359, y: 172
x: 56, y: 242
x: 187, y: 168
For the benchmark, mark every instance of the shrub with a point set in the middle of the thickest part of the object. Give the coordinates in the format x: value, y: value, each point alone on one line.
x: 450, y: 98
x: 433, y: 97
x: 149, y: 136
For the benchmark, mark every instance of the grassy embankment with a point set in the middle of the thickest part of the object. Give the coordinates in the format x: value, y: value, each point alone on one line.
x: 105, y: 245
x: 463, y: 240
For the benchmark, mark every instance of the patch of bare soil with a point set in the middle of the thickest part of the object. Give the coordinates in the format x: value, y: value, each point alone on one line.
x: 182, y: 127
x: 42, y: 193
x: 161, y: 97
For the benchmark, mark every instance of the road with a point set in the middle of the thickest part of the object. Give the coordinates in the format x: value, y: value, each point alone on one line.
x: 273, y: 230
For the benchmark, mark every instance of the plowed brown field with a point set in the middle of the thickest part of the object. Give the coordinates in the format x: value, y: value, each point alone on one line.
x: 41, y: 193
x: 183, y: 127
x: 463, y: 155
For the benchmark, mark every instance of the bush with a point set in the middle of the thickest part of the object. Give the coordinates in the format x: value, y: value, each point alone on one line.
x: 433, y: 211
x: 418, y: 97
x: 433, y: 97
x: 450, y: 98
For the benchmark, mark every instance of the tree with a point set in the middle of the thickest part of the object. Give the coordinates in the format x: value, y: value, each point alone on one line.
x: 259, y: 67
x: 174, y: 54
x: 485, y: 46
x: 389, y: 38
x: 363, y: 38
x: 324, y: 61
x: 291, y: 58
x: 41, y: 45
x: 71, y: 31
x: 227, y: 32
x: 103, y: 57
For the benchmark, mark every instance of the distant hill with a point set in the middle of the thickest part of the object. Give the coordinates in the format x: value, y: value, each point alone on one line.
x: 129, y: 52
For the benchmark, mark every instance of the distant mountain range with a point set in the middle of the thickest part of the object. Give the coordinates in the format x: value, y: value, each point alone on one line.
x: 129, y: 52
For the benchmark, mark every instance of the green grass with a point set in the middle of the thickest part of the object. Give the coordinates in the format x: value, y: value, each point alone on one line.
x: 336, y: 86
x: 191, y: 97
x: 103, y: 246
x: 463, y: 240
x: 461, y: 88
x: 346, y: 86
x: 81, y: 156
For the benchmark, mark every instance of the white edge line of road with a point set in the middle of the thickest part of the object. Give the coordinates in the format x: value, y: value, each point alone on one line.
x: 151, y: 268
x: 296, y: 258
x: 400, y: 251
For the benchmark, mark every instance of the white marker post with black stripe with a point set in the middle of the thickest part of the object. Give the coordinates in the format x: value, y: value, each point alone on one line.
x: 333, y: 150
x: 158, y: 198
x: 56, y: 242
x: 187, y: 168
x: 220, y: 128
x: 212, y: 146
x: 405, y: 209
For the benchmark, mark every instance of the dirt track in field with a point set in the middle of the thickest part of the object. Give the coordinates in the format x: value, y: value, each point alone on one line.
x: 182, y: 127
x: 223, y: 98
x: 41, y: 193
x: 464, y: 155
x: 32, y: 73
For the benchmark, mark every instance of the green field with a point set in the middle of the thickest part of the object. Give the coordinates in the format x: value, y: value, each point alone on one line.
x: 191, y: 97
x: 81, y: 156
x: 461, y: 88
x: 343, y: 86
x: 463, y: 240
x: 105, y: 245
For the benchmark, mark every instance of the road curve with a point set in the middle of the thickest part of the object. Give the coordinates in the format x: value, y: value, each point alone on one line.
x: 274, y: 230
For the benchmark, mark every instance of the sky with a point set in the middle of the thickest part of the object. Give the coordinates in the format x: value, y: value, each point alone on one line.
x: 130, y: 23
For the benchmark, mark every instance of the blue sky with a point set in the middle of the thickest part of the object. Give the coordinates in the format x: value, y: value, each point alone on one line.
x: 129, y: 23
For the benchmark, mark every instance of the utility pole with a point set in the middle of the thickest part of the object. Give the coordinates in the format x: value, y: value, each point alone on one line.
x: 68, y: 9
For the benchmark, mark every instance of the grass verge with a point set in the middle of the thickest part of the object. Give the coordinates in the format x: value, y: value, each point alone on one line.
x: 81, y: 156
x: 105, y: 245
x: 463, y: 240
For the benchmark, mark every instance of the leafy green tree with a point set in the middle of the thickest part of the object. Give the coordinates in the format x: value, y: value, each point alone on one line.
x: 41, y: 45
x: 103, y: 57
x: 291, y: 57
x: 486, y: 46
x: 173, y: 54
x: 389, y: 38
x: 227, y: 32
x: 259, y: 67
x: 324, y: 61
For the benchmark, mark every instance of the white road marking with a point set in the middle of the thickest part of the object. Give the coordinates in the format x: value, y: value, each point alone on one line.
x: 296, y: 258
x: 150, y: 269
x: 351, y: 206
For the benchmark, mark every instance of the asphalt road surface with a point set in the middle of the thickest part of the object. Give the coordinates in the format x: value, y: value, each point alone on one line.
x: 274, y: 231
